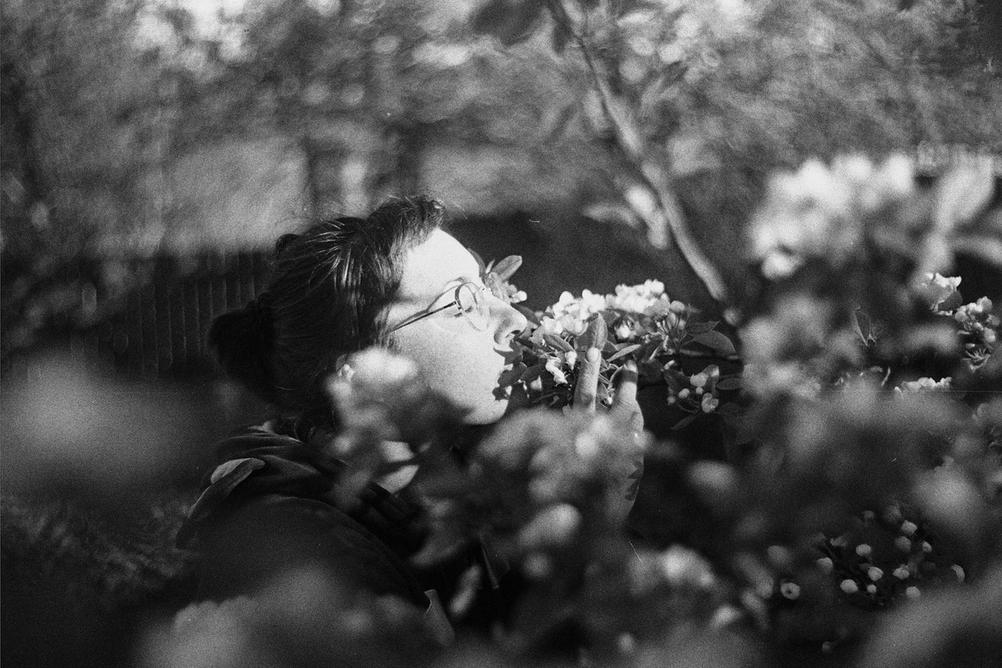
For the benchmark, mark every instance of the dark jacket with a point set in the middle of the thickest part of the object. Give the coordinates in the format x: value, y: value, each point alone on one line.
x: 272, y: 505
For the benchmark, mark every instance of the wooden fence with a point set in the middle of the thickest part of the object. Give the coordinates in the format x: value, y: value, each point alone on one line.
x: 157, y: 328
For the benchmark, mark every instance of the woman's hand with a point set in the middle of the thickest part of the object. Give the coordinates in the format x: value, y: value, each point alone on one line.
x: 624, y: 409
x: 624, y: 400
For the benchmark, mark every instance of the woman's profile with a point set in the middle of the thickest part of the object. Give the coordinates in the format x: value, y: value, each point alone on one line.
x: 394, y: 279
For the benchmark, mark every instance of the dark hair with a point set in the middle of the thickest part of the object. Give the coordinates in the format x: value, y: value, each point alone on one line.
x: 329, y: 289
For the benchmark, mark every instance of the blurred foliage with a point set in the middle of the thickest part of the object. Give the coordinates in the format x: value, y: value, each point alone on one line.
x: 85, y: 136
x: 696, y: 101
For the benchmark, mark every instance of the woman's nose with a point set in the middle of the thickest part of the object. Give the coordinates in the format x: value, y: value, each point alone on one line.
x: 509, y: 321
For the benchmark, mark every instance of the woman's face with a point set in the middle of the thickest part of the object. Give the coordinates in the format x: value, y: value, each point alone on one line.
x: 454, y: 358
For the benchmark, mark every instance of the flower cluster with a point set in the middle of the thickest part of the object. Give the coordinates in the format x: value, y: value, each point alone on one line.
x: 379, y: 397
x: 978, y: 324
x: 886, y: 556
x: 636, y: 321
x: 571, y: 314
x: 821, y: 212
x: 925, y: 384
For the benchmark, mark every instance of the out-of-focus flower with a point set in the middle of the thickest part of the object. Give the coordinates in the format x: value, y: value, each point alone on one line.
x: 677, y: 566
x: 552, y: 526
x: 821, y: 213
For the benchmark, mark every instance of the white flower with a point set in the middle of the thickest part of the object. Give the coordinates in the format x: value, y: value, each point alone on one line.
x: 553, y: 526
x: 790, y: 590
x: 699, y: 379
x: 553, y: 366
x: 946, y: 282
x: 682, y: 566
x: 648, y: 298
x: 572, y: 313
x: 925, y: 384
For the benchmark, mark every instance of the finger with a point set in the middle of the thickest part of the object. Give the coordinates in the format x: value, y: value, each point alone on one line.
x: 624, y: 402
x: 587, y: 387
x: 625, y: 383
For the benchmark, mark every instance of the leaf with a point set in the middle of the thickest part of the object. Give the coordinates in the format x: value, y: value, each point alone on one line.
x: 595, y: 335
x: 729, y: 383
x: 623, y: 352
x: 529, y: 314
x: 511, y: 21
x: 716, y: 341
x: 684, y: 422
x: 512, y: 375
x: 694, y: 328
x: 508, y: 266
x: 532, y: 372
x: 557, y: 342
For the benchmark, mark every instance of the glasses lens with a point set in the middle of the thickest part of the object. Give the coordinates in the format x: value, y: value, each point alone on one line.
x: 472, y: 305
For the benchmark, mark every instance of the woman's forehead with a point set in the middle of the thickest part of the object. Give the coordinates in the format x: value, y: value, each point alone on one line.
x: 429, y: 266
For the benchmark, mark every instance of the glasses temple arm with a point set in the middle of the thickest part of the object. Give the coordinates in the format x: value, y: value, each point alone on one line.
x: 418, y: 316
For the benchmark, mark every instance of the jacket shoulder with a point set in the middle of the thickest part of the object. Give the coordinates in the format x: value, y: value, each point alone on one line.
x: 255, y: 540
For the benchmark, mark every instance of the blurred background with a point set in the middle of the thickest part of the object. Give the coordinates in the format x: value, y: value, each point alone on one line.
x: 153, y: 150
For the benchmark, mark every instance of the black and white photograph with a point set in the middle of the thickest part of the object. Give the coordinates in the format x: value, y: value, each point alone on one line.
x: 448, y: 333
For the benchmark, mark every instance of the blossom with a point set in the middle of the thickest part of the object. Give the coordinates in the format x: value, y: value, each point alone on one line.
x: 553, y: 526
x: 681, y: 566
x: 553, y: 367
x: 820, y: 212
x: 946, y: 282
x: 924, y: 384
x: 648, y: 298
x: 790, y: 590
x: 380, y: 366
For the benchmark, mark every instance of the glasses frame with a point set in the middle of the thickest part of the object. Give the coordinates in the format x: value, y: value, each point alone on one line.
x: 480, y: 292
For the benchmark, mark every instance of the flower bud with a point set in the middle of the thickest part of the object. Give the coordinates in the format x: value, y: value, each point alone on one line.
x: 849, y: 586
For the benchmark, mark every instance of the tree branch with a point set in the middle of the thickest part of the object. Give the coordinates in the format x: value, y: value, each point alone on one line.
x: 655, y: 180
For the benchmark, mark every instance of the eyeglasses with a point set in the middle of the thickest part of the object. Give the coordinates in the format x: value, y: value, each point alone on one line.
x: 471, y: 301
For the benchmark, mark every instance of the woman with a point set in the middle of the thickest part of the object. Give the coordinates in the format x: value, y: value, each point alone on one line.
x: 394, y: 279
